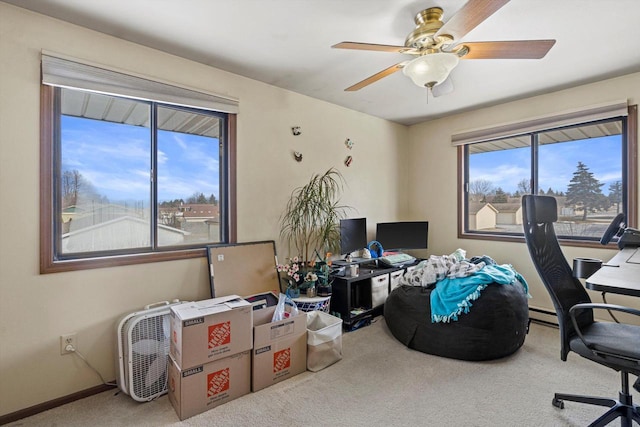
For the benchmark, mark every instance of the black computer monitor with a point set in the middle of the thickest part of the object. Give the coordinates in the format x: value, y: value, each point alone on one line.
x: 403, y: 235
x: 353, y: 235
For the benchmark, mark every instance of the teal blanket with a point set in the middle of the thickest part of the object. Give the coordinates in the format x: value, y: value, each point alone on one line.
x: 452, y: 297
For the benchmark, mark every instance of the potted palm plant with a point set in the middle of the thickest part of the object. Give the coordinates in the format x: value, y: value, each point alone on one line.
x: 310, y: 222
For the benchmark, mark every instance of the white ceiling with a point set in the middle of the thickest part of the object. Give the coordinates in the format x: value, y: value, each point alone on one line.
x: 287, y: 43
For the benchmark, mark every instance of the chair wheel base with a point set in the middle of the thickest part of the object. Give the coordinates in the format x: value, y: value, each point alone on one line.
x: 557, y: 403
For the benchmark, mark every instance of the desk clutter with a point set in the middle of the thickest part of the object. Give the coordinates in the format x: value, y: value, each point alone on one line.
x: 396, y: 259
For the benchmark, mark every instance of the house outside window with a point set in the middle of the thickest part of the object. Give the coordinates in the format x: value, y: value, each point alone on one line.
x: 589, y: 167
x: 128, y: 180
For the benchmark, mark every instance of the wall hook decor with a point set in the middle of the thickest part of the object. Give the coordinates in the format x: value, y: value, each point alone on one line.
x: 297, y: 155
x: 349, y: 143
x: 296, y: 130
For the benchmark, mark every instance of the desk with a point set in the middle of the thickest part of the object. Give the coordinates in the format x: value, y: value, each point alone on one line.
x: 620, y: 275
x: 357, y: 299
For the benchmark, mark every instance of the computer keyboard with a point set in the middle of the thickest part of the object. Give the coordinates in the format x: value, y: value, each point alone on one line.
x: 397, y: 259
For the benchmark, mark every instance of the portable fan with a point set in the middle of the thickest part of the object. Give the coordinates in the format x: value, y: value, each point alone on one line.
x: 143, y: 351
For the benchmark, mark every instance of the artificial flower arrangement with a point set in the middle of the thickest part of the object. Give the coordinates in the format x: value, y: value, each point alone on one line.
x: 300, y: 275
x: 296, y: 274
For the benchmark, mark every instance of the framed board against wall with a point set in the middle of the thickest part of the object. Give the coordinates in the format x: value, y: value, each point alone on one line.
x: 243, y: 268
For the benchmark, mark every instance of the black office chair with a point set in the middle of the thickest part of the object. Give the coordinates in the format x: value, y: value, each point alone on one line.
x: 615, y: 345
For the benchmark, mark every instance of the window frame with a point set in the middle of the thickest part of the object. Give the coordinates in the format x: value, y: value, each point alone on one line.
x: 629, y: 168
x: 49, y: 262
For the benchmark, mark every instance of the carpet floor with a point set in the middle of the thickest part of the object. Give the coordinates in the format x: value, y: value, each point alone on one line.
x: 380, y: 382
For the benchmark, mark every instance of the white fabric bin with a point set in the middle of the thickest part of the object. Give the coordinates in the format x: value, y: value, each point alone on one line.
x: 379, y: 290
x: 324, y: 340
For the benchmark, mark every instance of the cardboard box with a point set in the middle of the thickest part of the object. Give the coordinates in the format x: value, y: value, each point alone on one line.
x: 204, y: 331
x: 279, y: 348
x: 200, y: 388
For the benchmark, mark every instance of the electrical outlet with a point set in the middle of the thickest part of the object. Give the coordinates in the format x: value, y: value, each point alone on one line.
x: 68, y: 340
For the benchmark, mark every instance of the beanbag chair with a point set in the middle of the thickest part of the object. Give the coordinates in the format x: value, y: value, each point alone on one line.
x: 494, y: 327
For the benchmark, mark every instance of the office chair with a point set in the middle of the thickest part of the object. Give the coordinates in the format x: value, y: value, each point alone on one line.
x: 615, y: 345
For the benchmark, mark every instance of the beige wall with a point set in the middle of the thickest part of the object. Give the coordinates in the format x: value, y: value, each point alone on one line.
x: 36, y: 309
x: 430, y: 150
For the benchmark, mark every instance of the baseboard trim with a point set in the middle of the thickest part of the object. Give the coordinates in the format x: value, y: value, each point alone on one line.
x: 45, y: 406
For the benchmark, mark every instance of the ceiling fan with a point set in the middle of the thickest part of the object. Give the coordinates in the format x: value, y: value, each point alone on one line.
x: 434, y: 43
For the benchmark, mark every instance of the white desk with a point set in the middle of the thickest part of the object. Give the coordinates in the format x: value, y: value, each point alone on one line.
x: 620, y: 275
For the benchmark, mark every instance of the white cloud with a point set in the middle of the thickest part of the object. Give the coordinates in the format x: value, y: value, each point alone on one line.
x: 116, y: 159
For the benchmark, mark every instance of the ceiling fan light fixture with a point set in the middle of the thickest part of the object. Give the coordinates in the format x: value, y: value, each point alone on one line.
x: 431, y: 69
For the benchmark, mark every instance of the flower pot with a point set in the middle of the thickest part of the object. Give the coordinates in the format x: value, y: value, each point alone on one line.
x: 311, y: 291
x: 324, y: 290
x: 293, y: 292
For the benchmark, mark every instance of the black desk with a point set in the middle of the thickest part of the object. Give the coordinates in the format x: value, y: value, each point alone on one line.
x: 357, y: 299
x: 621, y: 275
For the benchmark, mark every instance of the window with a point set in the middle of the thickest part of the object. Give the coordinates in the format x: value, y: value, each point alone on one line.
x: 589, y: 167
x: 126, y: 179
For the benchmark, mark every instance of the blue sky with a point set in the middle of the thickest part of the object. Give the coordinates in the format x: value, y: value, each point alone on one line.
x: 115, y: 158
x: 558, y: 162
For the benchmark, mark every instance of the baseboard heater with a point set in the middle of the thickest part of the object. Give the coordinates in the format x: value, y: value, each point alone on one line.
x: 542, y: 316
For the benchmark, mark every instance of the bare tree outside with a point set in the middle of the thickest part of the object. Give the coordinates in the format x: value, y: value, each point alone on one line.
x: 198, y: 198
x: 524, y: 186
x: 75, y: 186
x: 479, y: 189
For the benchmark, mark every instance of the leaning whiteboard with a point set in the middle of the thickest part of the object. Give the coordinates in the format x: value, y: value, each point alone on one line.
x: 243, y: 268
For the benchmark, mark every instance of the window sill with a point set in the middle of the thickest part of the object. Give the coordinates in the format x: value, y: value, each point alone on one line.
x: 520, y: 239
x: 49, y: 266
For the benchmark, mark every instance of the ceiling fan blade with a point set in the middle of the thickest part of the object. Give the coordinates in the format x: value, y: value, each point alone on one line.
x: 517, y: 49
x: 375, y: 77
x: 443, y: 88
x: 469, y: 17
x: 375, y: 47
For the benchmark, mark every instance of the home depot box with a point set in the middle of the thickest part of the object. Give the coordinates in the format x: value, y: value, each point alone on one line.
x: 208, y: 330
x: 203, y: 387
x: 279, y: 348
